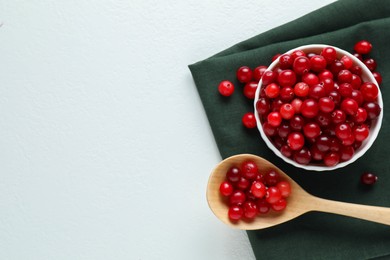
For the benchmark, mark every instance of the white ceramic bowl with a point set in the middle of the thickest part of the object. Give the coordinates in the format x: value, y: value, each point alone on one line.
x: 375, y: 126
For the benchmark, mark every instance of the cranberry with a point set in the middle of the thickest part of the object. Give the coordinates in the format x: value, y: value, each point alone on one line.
x: 274, y: 118
x: 302, y: 156
x: 312, y: 130
x: 273, y: 195
x: 258, y: 189
x: 297, y: 53
x: 318, y: 63
x: 287, y: 78
x: 269, y: 77
x: 361, y: 132
x: 301, y: 65
x: 338, y: 116
x: 297, y: 103
x: 250, y: 89
x: 310, y: 79
x: 237, y: 197
x: 323, y: 143
x: 336, y: 67
x: 326, y: 104
x: 347, y: 61
x: 285, y: 188
x: 226, y: 88
x: 373, y: 110
x: 328, y: 85
x: 268, y: 129
x: 357, y: 70
x: 378, y: 77
x: 249, y: 169
x: 325, y: 74
x: 235, y: 212
x: 357, y: 96
x: 356, y: 81
x: 317, y: 91
x: 286, y: 94
x: 272, y: 90
x: 263, y: 106
x: 343, y: 131
x: 279, y: 205
x: 243, y: 183
x: 368, y: 178
x: 263, y: 206
x: 276, y: 105
x: 349, y: 140
x: 301, y: 89
x: 345, y: 90
x: 331, y: 159
x: 324, y: 120
x: 250, y: 209
x: 286, y: 151
x: 249, y: 120
x: 233, y: 174
x: 346, y: 153
x: 258, y: 72
x: 369, y: 91
x: 344, y: 76
x: 226, y: 188
x: 359, y: 56
x: 349, y: 106
x: 360, y: 116
x: 335, y: 96
x: 285, y: 61
x: 297, y: 122
x: 284, y: 129
x: 272, y: 178
x: 295, y: 140
x: 287, y: 111
x: 370, y: 64
x: 363, y: 47
x: 329, y: 53
x: 244, y: 74
x: 316, y: 154
x: 309, y: 108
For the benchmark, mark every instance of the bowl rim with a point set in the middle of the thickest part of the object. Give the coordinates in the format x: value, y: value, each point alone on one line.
x: 375, y: 124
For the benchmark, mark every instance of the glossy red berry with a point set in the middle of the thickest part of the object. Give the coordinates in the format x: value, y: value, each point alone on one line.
x: 244, y: 74
x: 295, y: 140
x: 301, y: 65
x: 235, y: 213
x: 302, y: 156
x: 274, y: 119
x: 287, y: 78
x: 318, y: 63
x: 249, y: 120
x: 258, y: 73
x: 226, y: 188
x: 309, y: 108
x: 249, y: 169
x: 370, y: 64
x: 284, y: 188
x: 279, y: 205
x: 331, y: 159
x: 361, y: 132
x: 226, y: 88
x: 330, y: 54
x: 250, y: 209
x: 273, y: 195
x: 369, y: 91
x: 312, y: 130
x: 237, y: 197
x: 250, y: 89
x: 287, y: 111
x: 301, y: 89
x: 233, y: 174
x: 285, y: 61
x: 368, y: 178
x: 343, y: 131
x: 349, y: 106
x: 272, y: 90
x: 373, y: 110
x: 258, y: 189
x: 263, y: 206
x: 363, y: 47
x: 326, y: 104
x: 271, y: 178
x: 378, y: 77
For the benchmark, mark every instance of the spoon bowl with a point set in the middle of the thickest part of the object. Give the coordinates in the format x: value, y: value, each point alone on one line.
x: 298, y: 203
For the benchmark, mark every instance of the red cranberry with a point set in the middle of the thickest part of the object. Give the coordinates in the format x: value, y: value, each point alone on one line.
x: 373, y: 109
x: 368, y: 178
x: 378, y: 77
x: 233, y: 174
x: 309, y: 108
x: 345, y: 90
x: 237, y: 197
x: 301, y: 89
x: 285, y: 61
x: 301, y: 65
x: 258, y: 72
x: 356, y: 81
x: 323, y: 143
x: 370, y: 64
x: 343, y: 131
x: 250, y: 209
x: 297, y: 53
x: 363, y: 47
x: 235, y: 212
x: 347, y: 61
x: 249, y: 120
x: 287, y: 78
x: 269, y: 77
x: 330, y: 54
x: 287, y: 94
x: 310, y: 79
x: 263, y: 206
x: 331, y: 159
x: 273, y: 195
x: 226, y: 188
x: 302, y: 156
x: 344, y: 76
x: 297, y: 122
x: 349, y: 106
x: 226, y: 88
x: 287, y: 111
x: 369, y: 91
x: 279, y: 205
x: 244, y: 74
x: 346, y: 153
x: 249, y: 169
x: 295, y: 140
x: 361, y: 132
x: 272, y: 90
x: 272, y: 178
x: 284, y: 129
x: 317, y: 91
x: 258, y: 189
x: 268, y: 129
x: 312, y: 130
x: 274, y: 119
x: 250, y: 89
x: 360, y: 116
x: 263, y: 106
x: 326, y: 104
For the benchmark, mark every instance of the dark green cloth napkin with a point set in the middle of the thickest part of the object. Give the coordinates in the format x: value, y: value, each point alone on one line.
x: 313, y: 235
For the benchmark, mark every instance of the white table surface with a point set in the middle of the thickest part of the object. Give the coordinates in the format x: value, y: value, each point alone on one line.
x: 105, y: 149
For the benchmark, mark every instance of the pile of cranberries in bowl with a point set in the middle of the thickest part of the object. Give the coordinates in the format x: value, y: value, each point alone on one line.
x: 318, y: 107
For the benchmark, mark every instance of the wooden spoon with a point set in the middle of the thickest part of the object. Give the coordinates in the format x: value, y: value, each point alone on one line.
x: 298, y: 203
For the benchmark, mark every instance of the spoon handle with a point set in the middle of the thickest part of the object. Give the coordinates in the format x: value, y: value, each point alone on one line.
x: 370, y: 213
